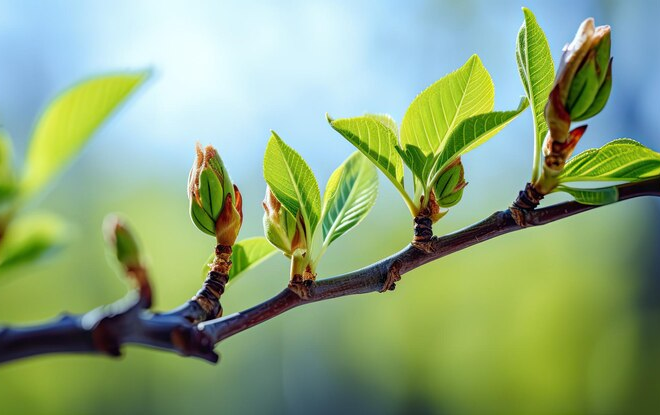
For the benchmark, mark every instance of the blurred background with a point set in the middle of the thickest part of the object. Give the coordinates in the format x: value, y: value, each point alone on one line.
x: 554, y: 320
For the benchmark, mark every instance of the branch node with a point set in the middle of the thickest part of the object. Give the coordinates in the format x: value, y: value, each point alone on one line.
x: 303, y: 288
x: 208, y: 297
x: 527, y: 200
x: 393, y: 275
x: 423, y: 228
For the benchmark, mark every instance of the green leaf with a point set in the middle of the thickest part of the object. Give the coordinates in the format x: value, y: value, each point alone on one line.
x: 620, y: 160
x: 246, y: 254
x: 249, y: 253
x: 374, y: 137
x: 602, y: 196
x: 292, y: 182
x: 387, y: 121
x: 537, y: 72
x: 474, y: 132
x: 420, y: 164
x: 31, y: 238
x: 70, y: 120
x: 349, y: 196
x: 435, y: 112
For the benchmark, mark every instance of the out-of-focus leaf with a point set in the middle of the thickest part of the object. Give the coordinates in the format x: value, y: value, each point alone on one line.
x: 30, y: 238
x: 349, y: 196
x: 246, y: 254
x: 292, y: 181
x: 601, y: 196
x: 70, y: 120
x: 7, y: 175
x: 537, y: 72
x: 619, y: 160
x: 439, y: 109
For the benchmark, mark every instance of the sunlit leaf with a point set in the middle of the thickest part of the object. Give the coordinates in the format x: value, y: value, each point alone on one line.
x: 602, y: 196
x: 440, y: 108
x: 474, y: 132
x: 70, y: 120
x: 620, y: 160
x: 537, y: 72
x: 246, y: 254
x: 420, y: 164
x: 349, y: 195
x: 387, y: 121
x: 374, y: 137
x: 292, y: 181
x: 30, y: 238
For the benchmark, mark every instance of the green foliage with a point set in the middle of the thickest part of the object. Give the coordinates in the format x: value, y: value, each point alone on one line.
x: 292, y: 181
x: 445, y: 121
x: 30, y: 238
x: 376, y: 137
x: 472, y: 133
x: 620, y: 160
x: 438, y: 110
x: 537, y: 74
x: 249, y: 253
x: 246, y: 254
x: 601, y: 196
x: 70, y: 120
x: 61, y: 132
x: 349, y: 195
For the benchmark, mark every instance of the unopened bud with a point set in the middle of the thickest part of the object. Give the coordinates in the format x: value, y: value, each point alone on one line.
x: 583, y: 81
x: 450, y: 185
x: 122, y: 242
x: 556, y: 153
x: 281, y: 227
x: 215, y: 202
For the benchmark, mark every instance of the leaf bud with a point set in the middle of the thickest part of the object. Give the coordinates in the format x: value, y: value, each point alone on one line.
x: 450, y: 185
x: 584, y: 79
x: 215, y: 202
x: 281, y: 228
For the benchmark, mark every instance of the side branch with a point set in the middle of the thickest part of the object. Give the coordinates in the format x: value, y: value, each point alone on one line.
x: 106, y: 329
x: 375, y: 276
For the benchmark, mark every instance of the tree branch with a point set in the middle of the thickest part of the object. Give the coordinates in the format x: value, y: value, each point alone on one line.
x: 104, y: 330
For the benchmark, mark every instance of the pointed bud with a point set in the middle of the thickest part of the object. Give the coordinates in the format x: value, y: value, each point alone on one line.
x: 580, y: 86
x: 280, y: 227
x: 557, y: 153
x: 126, y: 250
x: 450, y: 185
x: 215, y: 203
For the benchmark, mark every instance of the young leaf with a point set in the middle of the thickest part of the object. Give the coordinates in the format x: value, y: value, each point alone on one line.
x: 292, y: 181
x: 249, y: 253
x: 246, y: 254
x: 374, y: 137
x: 420, y: 164
x: 602, y: 196
x: 70, y: 120
x: 473, y: 132
x: 435, y: 112
x: 537, y: 72
x: 387, y: 121
x: 619, y: 160
x: 30, y: 238
x: 349, y: 195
